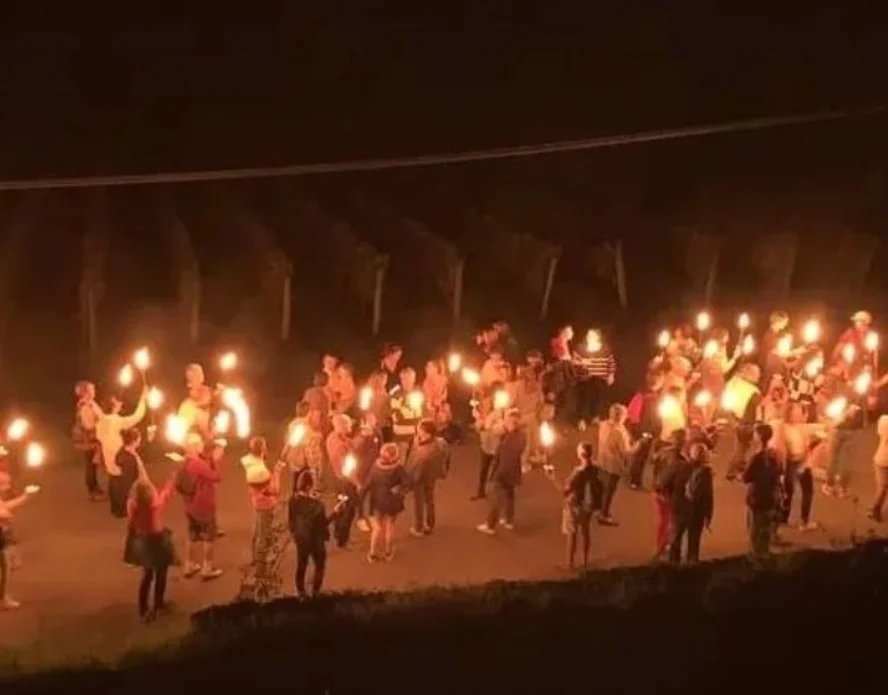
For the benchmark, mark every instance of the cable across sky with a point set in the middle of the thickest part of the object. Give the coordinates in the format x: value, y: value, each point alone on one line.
x: 342, y: 167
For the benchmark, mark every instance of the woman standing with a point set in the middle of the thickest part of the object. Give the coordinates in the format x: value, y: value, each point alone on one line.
x: 83, y: 434
x: 149, y: 543
x: 582, y: 494
x: 109, y: 431
x: 6, y: 512
x: 129, y: 463
x: 387, y: 484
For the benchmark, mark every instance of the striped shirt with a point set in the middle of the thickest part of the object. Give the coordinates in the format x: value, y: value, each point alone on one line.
x: 600, y: 365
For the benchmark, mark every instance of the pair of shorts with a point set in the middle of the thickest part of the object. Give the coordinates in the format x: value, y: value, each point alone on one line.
x: 202, y: 530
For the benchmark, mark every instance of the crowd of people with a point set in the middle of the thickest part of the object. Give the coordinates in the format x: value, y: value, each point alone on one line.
x: 355, y: 455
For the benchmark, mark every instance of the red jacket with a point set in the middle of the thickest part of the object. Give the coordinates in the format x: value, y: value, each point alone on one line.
x: 145, y: 521
x: 201, y: 506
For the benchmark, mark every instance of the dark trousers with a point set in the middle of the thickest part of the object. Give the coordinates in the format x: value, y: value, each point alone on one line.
x: 317, y: 554
x: 91, y: 473
x: 118, y: 491
x: 591, y: 397
x: 502, y: 504
x: 690, y: 525
x: 342, y: 525
x: 639, y: 460
x: 483, y: 473
x: 609, y: 482
x: 424, y: 505
x: 158, y: 577
x: 760, y: 528
x: 792, y: 475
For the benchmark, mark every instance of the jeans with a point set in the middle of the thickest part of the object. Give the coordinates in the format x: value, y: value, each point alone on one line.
x: 317, y: 554
x: 790, y: 474
x: 881, y: 490
x: 686, y: 524
x: 158, y: 577
x: 424, y: 505
x: 502, y: 504
x: 483, y: 472
x: 590, y: 397
x: 639, y: 460
x: 760, y: 527
x: 609, y: 481
x: 839, y: 458
x: 91, y: 472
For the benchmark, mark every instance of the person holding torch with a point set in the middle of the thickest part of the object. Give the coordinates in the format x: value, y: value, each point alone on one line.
x: 7, y: 509
x: 428, y: 462
x: 83, y: 435
x: 407, y: 407
x: 595, y: 368
x: 109, y: 433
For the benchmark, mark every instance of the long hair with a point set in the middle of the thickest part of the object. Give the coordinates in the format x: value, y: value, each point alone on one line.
x: 142, y: 493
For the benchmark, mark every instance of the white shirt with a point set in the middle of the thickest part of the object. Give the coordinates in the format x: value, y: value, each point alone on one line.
x: 880, y: 459
x: 109, y: 429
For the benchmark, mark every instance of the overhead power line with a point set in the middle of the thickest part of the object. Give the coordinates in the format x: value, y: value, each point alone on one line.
x: 433, y: 159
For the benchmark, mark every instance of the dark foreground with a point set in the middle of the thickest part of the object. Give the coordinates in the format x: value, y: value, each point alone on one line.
x: 807, y: 621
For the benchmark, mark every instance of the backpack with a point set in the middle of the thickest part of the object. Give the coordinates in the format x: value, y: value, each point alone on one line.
x: 696, y: 486
x: 185, y: 483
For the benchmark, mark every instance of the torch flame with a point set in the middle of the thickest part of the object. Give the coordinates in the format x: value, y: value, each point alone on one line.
x: 470, y: 376
x: 547, y: 435
x: 704, y: 321
x: 454, y: 362
x: 125, y: 376
x: 863, y: 382
x: 415, y: 401
x: 835, y: 409
x: 297, y: 434
x: 228, y: 361
x: 743, y: 321
x: 748, y: 345
x: 663, y: 339
x: 349, y: 465
x: 871, y: 342
x: 784, y: 345
x: 154, y: 398
x: 710, y: 349
x: 35, y: 455
x: 176, y: 430
x: 702, y: 399
x: 668, y: 407
x: 142, y: 359
x: 501, y: 399
x: 365, y: 398
x: 17, y: 429
x: 593, y: 341
x: 814, y: 367
x: 222, y: 422
x: 849, y: 353
x: 811, y: 331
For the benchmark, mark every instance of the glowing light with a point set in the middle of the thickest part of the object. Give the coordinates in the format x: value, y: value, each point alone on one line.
x: 702, y: 399
x: 710, y: 349
x: 835, y: 409
x: 784, y: 345
x: 849, y: 353
x: 547, y: 434
x: 470, y: 376
x: 228, y: 361
x: 142, y: 359
x: 743, y: 321
x: 297, y: 434
x: 32, y: 489
x: 125, y: 376
x: 501, y: 399
x: 176, y: 430
x: 35, y: 455
x: 17, y: 429
x: 349, y: 465
x: 814, y: 366
x: 729, y: 401
x: 747, y: 346
x: 222, y: 422
x: 415, y: 401
x: 862, y: 383
x: 663, y: 339
x: 871, y: 342
x: 669, y: 407
x: 365, y: 398
x: 811, y: 331
x: 593, y: 341
x: 454, y: 362
x: 704, y: 321
x: 154, y: 398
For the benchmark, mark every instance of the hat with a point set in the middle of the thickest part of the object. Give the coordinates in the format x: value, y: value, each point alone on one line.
x: 257, y: 473
x: 862, y: 317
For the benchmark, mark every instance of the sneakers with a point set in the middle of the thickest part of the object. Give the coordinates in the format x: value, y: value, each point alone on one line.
x: 363, y: 525
x: 828, y: 490
x: 210, y: 573
x: 507, y: 525
x: 809, y: 526
x: 484, y: 528
x: 415, y: 532
x: 607, y: 521
x: 9, y: 604
x: 190, y: 570
x: 581, y: 425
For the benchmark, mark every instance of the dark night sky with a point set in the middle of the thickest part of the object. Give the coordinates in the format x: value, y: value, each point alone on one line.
x: 136, y: 90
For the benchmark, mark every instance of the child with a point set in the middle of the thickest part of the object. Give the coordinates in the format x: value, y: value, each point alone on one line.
x: 582, y: 497
x: 310, y: 529
x: 6, y: 513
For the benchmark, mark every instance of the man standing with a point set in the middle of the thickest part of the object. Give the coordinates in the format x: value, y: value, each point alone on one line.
x: 505, y: 474
x: 428, y: 462
x: 491, y: 428
x: 196, y: 482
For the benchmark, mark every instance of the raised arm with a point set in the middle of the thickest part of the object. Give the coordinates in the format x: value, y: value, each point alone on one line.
x: 134, y: 418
